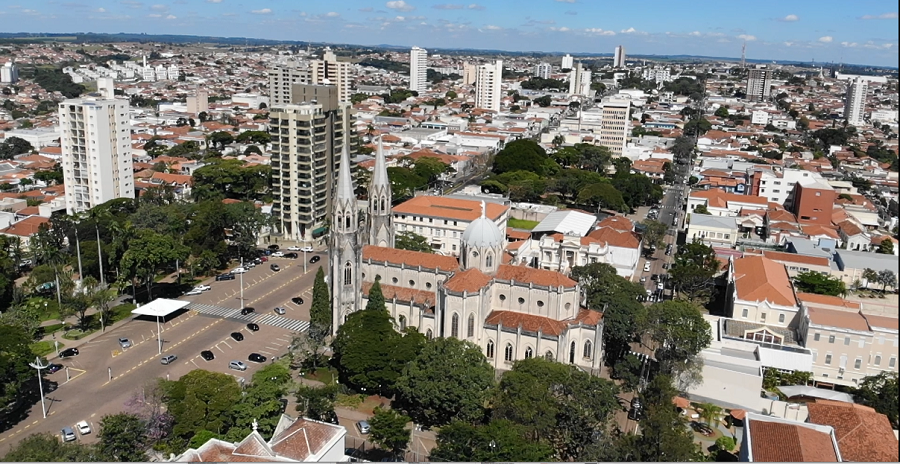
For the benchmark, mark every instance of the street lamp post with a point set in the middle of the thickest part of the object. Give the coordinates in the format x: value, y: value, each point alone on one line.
x: 242, y: 283
x: 159, y: 334
x: 37, y: 365
x: 78, y: 252
x: 100, y: 255
x: 304, y: 261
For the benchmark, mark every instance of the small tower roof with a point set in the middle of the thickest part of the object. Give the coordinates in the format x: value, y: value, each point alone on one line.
x: 380, y: 175
x: 345, y: 182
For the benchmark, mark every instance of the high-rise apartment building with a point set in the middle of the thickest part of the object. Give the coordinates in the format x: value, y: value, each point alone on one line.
x: 855, y: 106
x: 470, y: 73
x: 95, y: 134
x: 199, y: 102
x: 759, y: 84
x: 615, y: 123
x: 330, y: 71
x: 487, y: 86
x: 567, y: 62
x: 418, y: 69
x: 579, y: 81
x: 543, y: 70
x: 9, y: 73
x: 619, y: 57
x: 327, y: 71
x: 307, y: 141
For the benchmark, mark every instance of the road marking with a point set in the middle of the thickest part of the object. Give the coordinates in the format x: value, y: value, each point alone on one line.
x: 266, y: 352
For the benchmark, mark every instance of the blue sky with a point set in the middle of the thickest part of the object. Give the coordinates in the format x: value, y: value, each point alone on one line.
x: 862, y: 31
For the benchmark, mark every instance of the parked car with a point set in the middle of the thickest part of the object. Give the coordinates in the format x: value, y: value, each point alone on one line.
x: 315, y: 259
x: 168, y: 359
x: 284, y: 403
x: 67, y: 434
x: 646, y: 267
x: 203, y: 288
x: 275, y: 267
x: 277, y: 254
x: 330, y: 417
x: 263, y: 258
x: 253, y: 327
x: 273, y: 247
x: 257, y: 358
x: 83, y: 427
x: 636, y: 408
x: 250, y: 265
x: 239, y: 270
x: 247, y: 310
x: 68, y: 353
x: 279, y: 310
x: 294, y: 248
x: 237, y: 336
x: 237, y: 365
x: 207, y: 355
x: 643, y: 279
x: 192, y: 292
x: 124, y: 343
x: 54, y: 368
x: 363, y: 427
x: 291, y: 255
x: 297, y: 300
x: 307, y: 249
x: 221, y: 277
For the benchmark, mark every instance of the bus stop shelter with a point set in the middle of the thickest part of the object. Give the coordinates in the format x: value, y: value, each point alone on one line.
x: 160, y: 308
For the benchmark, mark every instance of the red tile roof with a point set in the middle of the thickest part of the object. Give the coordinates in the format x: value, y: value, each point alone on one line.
x: 828, y: 301
x: 862, y: 434
x: 796, y: 258
x: 758, y: 278
x: 404, y: 294
x: 410, y: 258
x: 614, y: 237
x: 470, y: 280
x: 449, y: 208
x: 26, y: 227
x: 779, y: 442
x: 526, y: 275
x: 617, y: 222
x: 528, y: 322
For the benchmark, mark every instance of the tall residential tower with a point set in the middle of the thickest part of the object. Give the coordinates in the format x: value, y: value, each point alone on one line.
x: 488, y: 86
x: 855, y: 106
x: 619, y: 57
x: 759, y: 84
x: 418, y: 69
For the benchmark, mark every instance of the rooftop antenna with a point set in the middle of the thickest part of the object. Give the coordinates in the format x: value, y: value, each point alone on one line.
x: 744, y: 55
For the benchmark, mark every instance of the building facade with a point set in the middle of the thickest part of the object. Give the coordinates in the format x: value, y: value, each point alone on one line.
x: 543, y: 70
x: 418, y: 67
x: 95, y: 137
x: 759, y: 84
x: 615, y: 124
x: 579, y: 81
x: 488, y: 91
x: 619, y: 57
x: 443, y: 220
x: 9, y: 73
x: 330, y: 71
x: 567, y: 62
x: 855, y: 104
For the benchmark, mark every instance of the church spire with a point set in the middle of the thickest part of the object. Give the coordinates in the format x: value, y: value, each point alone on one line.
x: 345, y: 182
x: 380, y: 176
x: 381, y: 219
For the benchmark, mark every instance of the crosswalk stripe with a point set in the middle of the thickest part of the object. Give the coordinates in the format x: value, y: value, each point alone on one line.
x: 266, y: 319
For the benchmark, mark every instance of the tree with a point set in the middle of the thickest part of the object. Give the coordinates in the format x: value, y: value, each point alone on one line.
x: 680, y: 333
x: 451, y: 95
x: 388, y: 429
x: 701, y: 209
x: 886, y: 247
x: 603, y: 195
x: 695, y: 266
x: 544, y: 101
x: 123, y: 438
x: 726, y: 443
x: 880, y: 392
x: 46, y: 447
x: 203, y: 116
x: 815, y: 282
x: 524, y: 155
x: 664, y: 433
x: 722, y: 112
x: 463, y: 442
x: 316, y: 402
x: 201, y: 400
x: 259, y: 402
x: 16, y: 377
x: 870, y: 276
x: 654, y: 233
x: 375, y: 300
x: 449, y: 379
x: 149, y: 250
x: 220, y: 139
x: 710, y: 413
x: 14, y: 146
x: 556, y: 402
x: 412, y: 241
x: 558, y: 140
x: 887, y: 277
x: 320, y: 310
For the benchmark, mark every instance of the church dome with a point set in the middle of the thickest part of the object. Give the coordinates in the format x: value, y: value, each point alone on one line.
x: 482, y: 232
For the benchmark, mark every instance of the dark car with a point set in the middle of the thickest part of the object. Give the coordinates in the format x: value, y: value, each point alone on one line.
x: 253, y: 327
x: 297, y: 300
x: 224, y: 277
x: 274, y: 247
x: 275, y: 267
x: 54, y: 368
x: 257, y: 358
x: 330, y: 417
x: 284, y: 403
x: 247, y: 310
x: 315, y: 259
x: 291, y: 255
x: 636, y: 408
x: 237, y: 336
x: 68, y: 353
x: 207, y: 355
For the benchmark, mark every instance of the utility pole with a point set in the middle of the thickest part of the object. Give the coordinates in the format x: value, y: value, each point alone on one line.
x: 242, y: 283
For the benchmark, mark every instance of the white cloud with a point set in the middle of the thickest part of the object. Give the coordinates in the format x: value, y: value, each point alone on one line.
x: 159, y: 7
x: 101, y: 10
x: 881, y: 16
x: 448, y: 6
x: 171, y: 17
x: 214, y: 1
x: 154, y: 15
x: 788, y: 44
x: 747, y: 37
x: 492, y: 27
x: 399, y: 5
x: 790, y: 18
x: 826, y: 39
x: 332, y: 14
x: 566, y: 1
x: 262, y: 11
x: 598, y: 31
x: 849, y: 44
x: 475, y: 6
x: 560, y: 29
x: 695, y: 34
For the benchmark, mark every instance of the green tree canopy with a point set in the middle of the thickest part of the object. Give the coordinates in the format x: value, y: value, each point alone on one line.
x: 524, y: 155
x: 665, y: 436
x: 880, y: 392
x: 320, y: 312
x: 388, y: 429
x: 463, y: 442
x: 46, y: 447
x: 695, y: 266
x: 123, y: 438
x: 815, y: 282
x: 406, y: 240
x: 16, y: 377
x: 654, y: 233
x: 201, y: 400
x: 680, y: 333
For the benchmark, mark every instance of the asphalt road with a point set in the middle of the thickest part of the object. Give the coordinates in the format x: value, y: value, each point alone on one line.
x: 104, y: 376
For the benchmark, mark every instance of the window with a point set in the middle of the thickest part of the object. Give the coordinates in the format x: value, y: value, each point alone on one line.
x: 762, y: 317
x: 470, y: 326
x: 588, y: 349
x: 831, y: 339
x: 488, y: 260
x: 528, y: 353
x: 412, y: 283
x: 489, y: 350
x: 428, y: 334
x: 892, y: 362
x: 502, y: 297
x: 568, y: 306
x: 781, y: 318
x: 521, y: 300
x: 508, y: 353
x: 572, y: 353
x: 816, y: 337
x: 540, y: 304
x: 402, y: 320
x: 454, y: 325
x: 846, y: 340
x: 548, y: 356
x: 877, y: 359
x: 857, y: 364
x: 745, y: 313
x: 828, y: 359
x: 428, y: 285
x: 348, y: 274
x: 394, y: 280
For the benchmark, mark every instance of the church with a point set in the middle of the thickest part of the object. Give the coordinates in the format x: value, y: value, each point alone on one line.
x: 511, y: 311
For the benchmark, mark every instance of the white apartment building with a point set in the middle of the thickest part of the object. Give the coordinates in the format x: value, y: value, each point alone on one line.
x: 567, y: 62
x: 470, y: 73
x: 657, y: 74
x: 543, y: 70
x: 488, y: 91
x: 855, y: 104
x: 95, y: 135
x: 9, y: 73
x: 619, y: 57
x: 418, y: 67
x: 759, y: 117
x: 759, y: 84
x: 579, y: 81
x: 330, y: 71
x: 442, y: 220
x: 161, y: 72
x: 777, y: 187
x: 282, y: 77
x: 615, y: 125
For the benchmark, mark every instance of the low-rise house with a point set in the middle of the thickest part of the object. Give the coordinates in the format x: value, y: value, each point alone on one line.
x: 761, y: 292
x: 862, y: 434
x: 719, y: 231
x: 773, y: 439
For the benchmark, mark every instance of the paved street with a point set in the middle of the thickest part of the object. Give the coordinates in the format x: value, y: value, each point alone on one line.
x: 90, y: 393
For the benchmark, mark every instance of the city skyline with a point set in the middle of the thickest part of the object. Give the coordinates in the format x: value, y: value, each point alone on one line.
x: 859, y: 33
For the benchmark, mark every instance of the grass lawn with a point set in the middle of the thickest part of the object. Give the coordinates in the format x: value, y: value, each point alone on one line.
x: 44, y: 348
x: 324, y: 375
x: 521, y: 223
x: 122, y: 311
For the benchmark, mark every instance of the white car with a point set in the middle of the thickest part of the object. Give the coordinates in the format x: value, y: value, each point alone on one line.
x: 203, y: 288
x: 192, y: 292
x: 83, y: 427
x: 294, y: 248
x: 647, y: 267
x: 307, y: 249
x: 238, y: 270
x: 278, y: 254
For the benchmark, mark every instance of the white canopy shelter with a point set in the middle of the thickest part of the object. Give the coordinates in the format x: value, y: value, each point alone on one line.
x: 160, y: 307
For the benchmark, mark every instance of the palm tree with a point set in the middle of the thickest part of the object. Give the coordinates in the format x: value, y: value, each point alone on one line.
x: 870, y: 275
x: 709, y: 412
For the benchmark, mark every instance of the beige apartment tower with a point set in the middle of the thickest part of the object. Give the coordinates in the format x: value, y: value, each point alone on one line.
x: 614, y: 124
x: 198, y: 103
x: 855, y: 106
x: 759, y: 84
x: 95, y: 134
x: 327, y: 71
x: 488, y: 86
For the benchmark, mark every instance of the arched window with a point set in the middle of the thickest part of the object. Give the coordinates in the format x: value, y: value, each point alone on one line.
x: 428, y: 334
x: 489, y: 351
x: 588, y: 349
x: 508, y: 353
x: 528, y: 353
x: 572, y: 353
x: 347, y: 221
x: 470, y: 326
x: 454, y: 325
x: 548, y: 355
x: 488, y: 260
x: 382, y: 208
x: 348, y: 274
x: 402, y: 320
x: 340, y: 220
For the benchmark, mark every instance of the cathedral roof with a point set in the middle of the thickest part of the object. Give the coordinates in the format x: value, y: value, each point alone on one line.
x: 410, y: 258
x: 452, y: 209
x: 471, y: 280
x: 483, y: 232
x: 408, y: 295
x: 546, y: 325
x: 526, y: 275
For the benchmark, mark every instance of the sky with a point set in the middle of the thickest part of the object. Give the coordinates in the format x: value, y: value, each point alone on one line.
x: 858, y: 32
